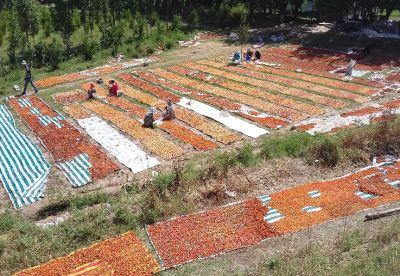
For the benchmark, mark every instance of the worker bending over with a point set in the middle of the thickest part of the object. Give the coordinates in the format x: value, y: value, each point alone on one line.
x: 169, y: 111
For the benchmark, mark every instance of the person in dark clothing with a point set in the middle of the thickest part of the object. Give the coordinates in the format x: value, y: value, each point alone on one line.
x: 257, y: 55
x: 91, y: 91
x: 28, y: 78
x: 149, y: 118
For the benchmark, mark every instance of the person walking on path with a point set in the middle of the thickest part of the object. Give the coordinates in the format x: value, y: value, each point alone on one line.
x: 28, y: 78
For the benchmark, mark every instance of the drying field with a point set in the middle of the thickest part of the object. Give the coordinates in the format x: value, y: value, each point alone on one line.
x: 217, y: 105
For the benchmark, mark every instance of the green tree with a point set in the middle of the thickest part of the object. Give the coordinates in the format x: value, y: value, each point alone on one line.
x: 3, y: 25
x: 177, y: 23
x: 63, y: 19
x: 193, y: 19
x: 244, y: 32
x: 46, y: 21
x: 14, y: 38
x: 54, y: 55
x: 28, y: 17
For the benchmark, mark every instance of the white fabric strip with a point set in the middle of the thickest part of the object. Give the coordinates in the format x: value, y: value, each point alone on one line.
x: 223, y: 117
x: 118, y: 145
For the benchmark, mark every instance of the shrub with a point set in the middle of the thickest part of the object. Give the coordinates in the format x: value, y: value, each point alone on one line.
x: 274, y: 263
x: 324, y: 151
x: 40, y: 54
x: 88, y: 48
x: 111, y: 37
x: 125, y: 217
x: 348, y: 241
x: 224, y: 161
x: 386, y: 138
x: 245, y: 155
x: 193, y: 19
x: 55, y: 55
x: 192, y: 173
x: 82, y: 233
x: 89, y: 200
x: 163, y: 181
x: 176, y: 23
x: 237, y: 12
x: 7, y: 222
x: 293, y: 145
x: 2, y: 247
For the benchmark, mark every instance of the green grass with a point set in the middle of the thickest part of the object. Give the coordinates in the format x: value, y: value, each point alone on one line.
x: 395, y: 15
x: 355, y: 253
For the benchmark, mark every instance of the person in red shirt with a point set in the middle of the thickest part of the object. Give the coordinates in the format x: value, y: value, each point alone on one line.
x: 113, y: 88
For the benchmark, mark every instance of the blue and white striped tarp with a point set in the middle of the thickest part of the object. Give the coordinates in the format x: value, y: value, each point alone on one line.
x: 23, y: 168
x: 310, y: 209
x: 24, y: 102
x: 265, y: 199
x: 314, y: 194
x: 364, y: 196
x: 273, y: 215
x: 47, y: 120
x: 44, y: 119
x: 395, y: 183
x: 77, y: 170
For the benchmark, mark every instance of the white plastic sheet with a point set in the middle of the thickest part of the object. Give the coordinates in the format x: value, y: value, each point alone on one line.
x: 224, y: 118
x: 118, y: 145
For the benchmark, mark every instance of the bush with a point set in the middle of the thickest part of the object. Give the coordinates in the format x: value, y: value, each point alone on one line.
x: 325, y: 152
x: 163, y: 181
x: 293, y: 145
x: 89, y: 200
x: 176, y: 23
x: 193, y: 19
x: 192, y: 173
x: 111, y: 37
x: 224, y: 161
x: 7, y: 222
x: 125, y: 217
x: 88, y: 48
x: 40, y: 54
x: 2, y: 247
x: 55, y: 55
x: 245, y: 155
x: 238, y: 12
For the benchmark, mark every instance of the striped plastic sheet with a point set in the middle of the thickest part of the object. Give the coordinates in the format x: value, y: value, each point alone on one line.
x: 365, y: 196
x: 77, y: 170
x: 314, y: 194
x: 273, y: 215
x: 45, y: 119
x: 23, y: 168
x: 310, y: 209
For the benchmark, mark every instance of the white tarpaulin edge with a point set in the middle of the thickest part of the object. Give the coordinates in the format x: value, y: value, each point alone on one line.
x: 223, y: 117
x: 118, y: 145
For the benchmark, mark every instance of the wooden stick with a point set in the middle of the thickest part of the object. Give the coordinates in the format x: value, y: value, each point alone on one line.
x: 379, y: 215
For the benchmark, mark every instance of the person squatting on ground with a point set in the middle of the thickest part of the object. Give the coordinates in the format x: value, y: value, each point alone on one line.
x: 248, y: 55
x: 169, y: 111
x: 91, y: 91
x: 257, y: 56
x: 113, y: 88
x: 149, y: 118
x: 28, y: 78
